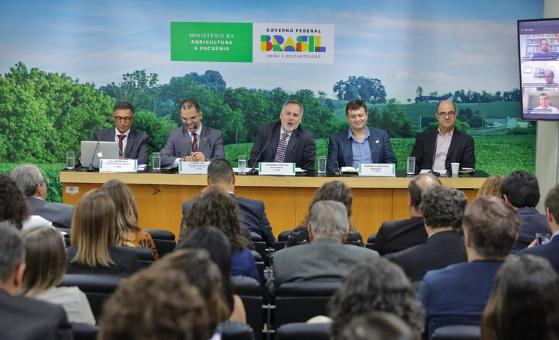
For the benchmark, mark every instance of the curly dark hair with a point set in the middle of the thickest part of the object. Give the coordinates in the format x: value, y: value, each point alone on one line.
x: 443, y: 207
x: 376, y: 286
x: 169, y: 308
x: 13, y: 206
x: 215, y: 208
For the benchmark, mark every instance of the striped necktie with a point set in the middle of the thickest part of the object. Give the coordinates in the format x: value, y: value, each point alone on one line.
x: 282, y: 146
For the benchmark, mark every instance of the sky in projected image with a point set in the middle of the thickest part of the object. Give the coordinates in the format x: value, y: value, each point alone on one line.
x: 439, y: 45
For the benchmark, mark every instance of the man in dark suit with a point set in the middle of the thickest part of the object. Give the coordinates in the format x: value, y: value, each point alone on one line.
x: 31, y: 181
x: 326, y: 257
x: 360, y: 144
x: 132, y: 143
x: 457, y: 294
x: 23, y: 318
x: 550, y: 250
x: 253, y: 213
x: 285, y: 141
x: 192, y: 142
x: 521, y: 191
x: 394, y: 236
x: 443, y: 210
x: 436, y: 149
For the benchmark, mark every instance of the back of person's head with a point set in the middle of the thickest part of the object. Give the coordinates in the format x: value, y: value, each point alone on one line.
x: 491, y: 187
x: 12, y: 252
x: 125, y: 208
x: 334, y: 191
x: 215, y: 208
x: 13, y: 206
x: 328, y: 219
x: 153, y: 304
x: 379, y: 285
x: 377, y: 326
x: 552, y: 202
x: 443, y: 207
x: 521, y: 189
x: 93, y: 229
x: 217, y: 245
x: 28, y: 177
x: 491, y: 227
x: 420, y: 184
x: 204, y: 275
x: 45, y: 259
x: 220, y: 171
x: 524, y: 303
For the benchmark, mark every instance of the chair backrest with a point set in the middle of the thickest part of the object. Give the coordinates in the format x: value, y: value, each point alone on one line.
x: 300, y: 301
x: 144, y: 255
x: 304, y: 331
x: 235, y: 331
x: 457, y: 332
x: 164, y: 240
x: 96, y: 287
x: 251, y: 292
x: 83, y: 331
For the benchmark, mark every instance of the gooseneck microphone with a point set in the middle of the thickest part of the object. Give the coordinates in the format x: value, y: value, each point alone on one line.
x: 90, y: 169
x: 252, y: 170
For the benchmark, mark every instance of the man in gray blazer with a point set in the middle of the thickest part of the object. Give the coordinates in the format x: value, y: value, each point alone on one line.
x: 192, y: 142
x: 132, y: 143
x: 326, y: 257
x: 31, y: 181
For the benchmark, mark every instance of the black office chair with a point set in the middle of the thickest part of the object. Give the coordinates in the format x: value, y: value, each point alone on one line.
x: 144, y: 255
x: 304, y: 331
x: 251, y: 292
x: 83, y: 331
x: 164, y: 240
x: 96, y: 287
x: 457, y: 332
x: 235, y: 331
x: 300, y: 301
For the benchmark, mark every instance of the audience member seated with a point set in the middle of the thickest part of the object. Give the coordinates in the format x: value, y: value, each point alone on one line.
x: 457, y: 294
x: 520, y: 189
x: 329, y: 191
x: 491, y: 187
x: 443, y: 210
x: 215, y: 208
x: 13, y: 207
x: 376, y: 286
x: 394, y: 236
x: 377, y: 326
x: 156, y: 304
x: 524, y: 303
x: 326, y: 257
x: 23, y: 318
x: 217, y: 245
x: 550, y: 250
x: 253, y: 213
x: 93, y: 239
x: 31, y: 181
x: 45, y: 264
x: 128, y: 234
x: 203, y: 274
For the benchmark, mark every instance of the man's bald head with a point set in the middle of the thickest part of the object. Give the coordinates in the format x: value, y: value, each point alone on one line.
x: 420, y: 184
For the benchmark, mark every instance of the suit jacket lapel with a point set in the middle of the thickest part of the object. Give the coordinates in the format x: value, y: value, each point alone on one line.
x: 374, y: 148
x: 347, y: 151
x: 130, y: 142
x: 276, y: 131
x: 453, y: 142
x: 291, y: 145
x: 203, y: 145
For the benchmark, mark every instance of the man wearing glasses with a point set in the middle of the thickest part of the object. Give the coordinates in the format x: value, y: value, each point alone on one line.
x: 132, y: 143
x: 436, y: 149
x: 192, y: 142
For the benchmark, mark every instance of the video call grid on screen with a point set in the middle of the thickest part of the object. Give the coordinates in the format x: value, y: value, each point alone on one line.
x: 538, y: 47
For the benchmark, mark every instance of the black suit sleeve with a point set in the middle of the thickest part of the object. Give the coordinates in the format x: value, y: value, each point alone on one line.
x: 64, y: 328
x: 269, y: 237
x: 388, y: 154
x: 259, y: 143
x: 143, y: 149
x: 468, y: 157
x: 332, y: 165
x: 417, y: 151
x: 309, y: 154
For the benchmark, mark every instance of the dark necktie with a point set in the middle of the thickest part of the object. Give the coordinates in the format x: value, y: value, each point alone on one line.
x: 194, y: 142
x: 121, y: 144
x: 282, y: 146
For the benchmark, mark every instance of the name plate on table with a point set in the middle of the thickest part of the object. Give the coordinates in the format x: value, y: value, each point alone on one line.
x: 276, y: 169
x: 118, y: 165
x: 193, y: 168
x: 378, y: 170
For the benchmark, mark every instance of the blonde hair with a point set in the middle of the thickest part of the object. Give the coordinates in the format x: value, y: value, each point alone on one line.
x: 126, y: 210
x: 93, y: 229
x: 491, y: 187
x: 45, y: 259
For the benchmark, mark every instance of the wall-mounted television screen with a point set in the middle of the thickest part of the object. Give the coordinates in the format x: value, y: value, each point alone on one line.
x: 538, y: 48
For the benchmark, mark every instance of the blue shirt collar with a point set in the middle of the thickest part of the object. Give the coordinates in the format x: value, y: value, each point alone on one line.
x: 351, y: 136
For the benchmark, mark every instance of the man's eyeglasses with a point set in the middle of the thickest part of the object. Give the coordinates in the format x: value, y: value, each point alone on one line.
x: 447, y: 113
x: 122, y: 119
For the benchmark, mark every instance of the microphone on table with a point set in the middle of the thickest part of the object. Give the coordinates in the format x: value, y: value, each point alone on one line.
x: 252, y: 170
x: 90, y: 169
